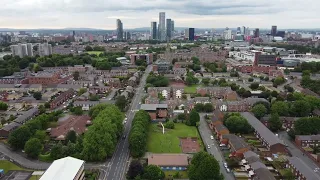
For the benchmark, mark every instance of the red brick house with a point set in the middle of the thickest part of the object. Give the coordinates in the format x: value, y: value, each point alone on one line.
x: 236, y: 144
x: 156, y: 111
x: 61, y: 98
x: 301, y: 170
x: 217, y: 118
x: 220, y: 130
x: 308, y: 140
x: 218, y: 92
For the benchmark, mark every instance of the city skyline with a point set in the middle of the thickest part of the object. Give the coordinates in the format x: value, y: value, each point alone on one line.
x: 139, y: 13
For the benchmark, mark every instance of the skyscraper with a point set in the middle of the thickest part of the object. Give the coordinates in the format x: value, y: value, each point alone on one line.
x: 172, y: 28
x: 45, y: 49
x: 191, y: 34
x: 119, y: 30
x: 30, y: 49
x: 162, y: 26
x: 273, y: 30
x: 256, y: 33
x: 238, y: 30
x: 153, y: 31
x: 243, y: 30
x: 169, y: 31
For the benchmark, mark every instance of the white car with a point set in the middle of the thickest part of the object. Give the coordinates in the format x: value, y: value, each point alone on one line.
x: 124, y: 122
x: 222, y: 145
x: 208, y: 146
x: 211, y: 137
x: 225, y: 165
x: 228, y: 170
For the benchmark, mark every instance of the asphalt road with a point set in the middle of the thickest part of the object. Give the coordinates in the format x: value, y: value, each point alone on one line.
x: 295, y: 152
x: 119, y: 162
x: 214, y: 150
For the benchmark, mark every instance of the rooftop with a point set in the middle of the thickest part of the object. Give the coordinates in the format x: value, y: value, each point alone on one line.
x: 303, y: 168
x: 153, y: 107
x: 168, y: 159
x: 63, y: 169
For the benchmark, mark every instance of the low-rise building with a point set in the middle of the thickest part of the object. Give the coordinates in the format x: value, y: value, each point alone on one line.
x: 67, y: 168
x: 218, y: 92
x: 61, y: 98
x: 26, y: 116
x: 169, y: 161
x: 7, y: 129
x: 74, y: 123
x: 307, y: 140
x: 236, y: 144
x: 44, y: 78
x: 221, y: 130
x: 156, y: 111
x: 268, y: 139
x: 301, y: 170
x: 85, y: 105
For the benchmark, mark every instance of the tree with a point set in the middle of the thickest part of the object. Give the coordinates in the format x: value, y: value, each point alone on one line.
x: 33, y: 147
x: 237, y: 124
x: 250, y: 79
x: 254, y: 86
x: 275, y: 124
x: 208, y: 107
x: 274, y: 93
x: 135, y: 169
x: 288, y: 174
x: 77, y: 110
x: 300, y: 108
x: 121, y: 102
x: 47, y: 105
x: 76, y: 75
x: 307, y: 126
x: 71, y: 136
x: 37, y: 95
x: 169, y: 125
x: 182, y: 116
x: 89, y: 48
x: 206, y: 81
x: 82, y: 91
x: 280, y: 107
x: 42, y: 109
x: 194, y: 118
x: 3, y: 106
x: 41, y: 135
x: 279, y: 80
x: 259, y: 110
x: 199, y: 107
x: 57, y: 151
x: 204, y: 166
x: 153, y: 172
x: 19, y: 137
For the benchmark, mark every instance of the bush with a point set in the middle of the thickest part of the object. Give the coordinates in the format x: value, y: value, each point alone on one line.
x: 169, y: 125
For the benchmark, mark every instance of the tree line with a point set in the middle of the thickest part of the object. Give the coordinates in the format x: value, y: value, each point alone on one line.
x: 139, y: 134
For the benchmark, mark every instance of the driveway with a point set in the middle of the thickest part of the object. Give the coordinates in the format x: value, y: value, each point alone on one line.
x: 214, y: 150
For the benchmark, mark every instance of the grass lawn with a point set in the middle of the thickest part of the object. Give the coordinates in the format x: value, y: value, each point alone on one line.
x: 7, y: 166
x: 191, y: 89
x: 183, y: 174
x: 95, y: 52
x: 35, y: 177
x: 169, y: 141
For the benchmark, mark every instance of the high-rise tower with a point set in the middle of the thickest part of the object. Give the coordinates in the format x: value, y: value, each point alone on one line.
x: 153, y: 31
x: 119, y: 30
x: 162, y: 26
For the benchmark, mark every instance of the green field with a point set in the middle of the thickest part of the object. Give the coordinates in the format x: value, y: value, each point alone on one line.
x: 183, y: 174
x: 7, y: 166
x: 191, y: 89
x: 169, y: 142
x: 95, y: 52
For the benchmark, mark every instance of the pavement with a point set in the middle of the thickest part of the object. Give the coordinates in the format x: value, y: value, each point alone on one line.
x: 214, y: 150
x: 117, y: 166
x: 296, y: 152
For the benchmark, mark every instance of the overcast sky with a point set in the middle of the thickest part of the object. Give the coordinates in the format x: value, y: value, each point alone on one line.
x: 139, y: 13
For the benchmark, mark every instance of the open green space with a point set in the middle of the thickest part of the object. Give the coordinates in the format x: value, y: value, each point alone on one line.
x: 7, y: 166
x: 191, y: 89
x: 95, y: 52
x: 169, y: 141
x: 170, y: 174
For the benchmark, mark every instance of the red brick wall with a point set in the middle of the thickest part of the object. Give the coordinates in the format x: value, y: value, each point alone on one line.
x: 153, y: 115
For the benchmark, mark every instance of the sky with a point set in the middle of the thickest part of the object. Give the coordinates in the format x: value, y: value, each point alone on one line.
x: 102, y: 14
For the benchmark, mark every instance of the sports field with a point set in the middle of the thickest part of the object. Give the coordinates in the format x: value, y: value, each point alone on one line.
x: 169, y: 142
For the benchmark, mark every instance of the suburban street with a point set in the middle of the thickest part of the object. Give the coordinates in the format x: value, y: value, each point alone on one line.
x: 205, y: 133
x: 119, y: 162
x: 295, y: 152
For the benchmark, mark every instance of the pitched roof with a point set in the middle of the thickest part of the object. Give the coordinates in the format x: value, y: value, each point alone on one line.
x: 303, y: 168
x: 220, y: 127
x: 168, y: 159
x: 63, y: 169
x: 11, y: 126
x: 251, y: 157
x: 236, y: 142
x: 76, y: 123
x: 27, y: 115
x: 308, y: 137
x: 263, y: 174
x: 264, y: 132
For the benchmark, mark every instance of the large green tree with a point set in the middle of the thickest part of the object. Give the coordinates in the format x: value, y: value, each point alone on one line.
x: 259, y: 110
x: 3, y: 106
x: 274, y: 122
x: 280, y: 107
x: 153, y: 172
x: 37, y: 95
x: 135, y: 169
x: 204, y: 166
x: 237, y: 124
x: 194, y: 118
x: 33, y: 147
x: 71, y: 136
x: 19, y: 137
x: 121, y: 102
x: 300, y: 108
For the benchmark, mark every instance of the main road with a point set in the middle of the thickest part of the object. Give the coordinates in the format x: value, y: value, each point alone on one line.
x: 205, y: 133
x: 117, y: 166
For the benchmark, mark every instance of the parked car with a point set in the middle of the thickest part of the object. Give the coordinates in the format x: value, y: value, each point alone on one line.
x: 211, y: 137
x: 228, y: 170
x: 222, y: 145
x: 208, y: 146
x: 225, y: 165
